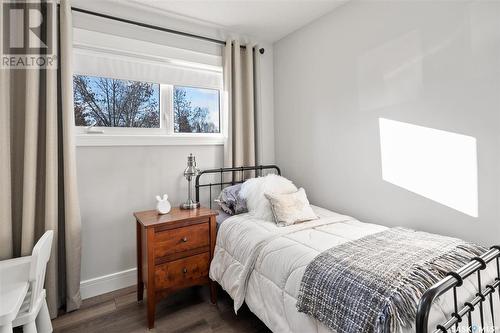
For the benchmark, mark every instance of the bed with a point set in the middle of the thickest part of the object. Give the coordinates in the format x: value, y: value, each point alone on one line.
x: 262, y: 265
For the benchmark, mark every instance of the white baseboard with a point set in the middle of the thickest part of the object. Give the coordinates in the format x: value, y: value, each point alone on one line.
x: 107, y: 283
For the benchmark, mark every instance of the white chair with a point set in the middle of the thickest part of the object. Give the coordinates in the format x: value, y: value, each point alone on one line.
x: 33, y: 313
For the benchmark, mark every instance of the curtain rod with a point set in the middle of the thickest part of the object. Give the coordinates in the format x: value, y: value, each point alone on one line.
x: 155, y: 27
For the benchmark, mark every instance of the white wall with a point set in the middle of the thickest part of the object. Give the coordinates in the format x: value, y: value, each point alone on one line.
x: 116, y: 181
x: 429, y: 63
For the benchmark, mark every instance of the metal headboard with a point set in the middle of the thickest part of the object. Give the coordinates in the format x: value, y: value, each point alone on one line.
x: 236, y: 175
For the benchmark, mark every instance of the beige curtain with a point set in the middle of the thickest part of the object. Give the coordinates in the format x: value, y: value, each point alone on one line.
x: 38, y: 168
x: 239, y: 88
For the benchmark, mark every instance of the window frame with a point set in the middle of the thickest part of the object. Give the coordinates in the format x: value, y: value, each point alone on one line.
x: 164, y: 135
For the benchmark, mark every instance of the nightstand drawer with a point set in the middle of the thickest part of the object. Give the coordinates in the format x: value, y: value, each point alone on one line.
x: 181, y: 239
x: 183, y: 272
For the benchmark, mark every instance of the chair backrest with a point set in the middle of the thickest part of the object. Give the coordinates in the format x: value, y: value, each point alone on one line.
x: 39, y: 258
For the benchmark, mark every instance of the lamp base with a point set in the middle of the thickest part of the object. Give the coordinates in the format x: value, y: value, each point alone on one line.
x: 190, y: 205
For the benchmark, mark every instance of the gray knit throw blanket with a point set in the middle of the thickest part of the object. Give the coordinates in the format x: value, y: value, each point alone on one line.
x: 373, y: 284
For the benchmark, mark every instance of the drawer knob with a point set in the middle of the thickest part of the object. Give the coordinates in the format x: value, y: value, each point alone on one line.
x: 184, y: 239
x: 184, y: 270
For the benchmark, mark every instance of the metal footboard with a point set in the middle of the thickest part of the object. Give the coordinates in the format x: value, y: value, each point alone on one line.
x: 463, y: 312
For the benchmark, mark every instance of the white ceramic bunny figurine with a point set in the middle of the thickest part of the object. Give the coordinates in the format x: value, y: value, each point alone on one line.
x: 163, y: 206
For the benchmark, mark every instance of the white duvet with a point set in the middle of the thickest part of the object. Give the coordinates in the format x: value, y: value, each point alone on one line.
x: 262, y: 264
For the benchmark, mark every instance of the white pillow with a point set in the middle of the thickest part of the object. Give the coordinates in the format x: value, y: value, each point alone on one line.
x: 253, y: 191
x: 291, y: 208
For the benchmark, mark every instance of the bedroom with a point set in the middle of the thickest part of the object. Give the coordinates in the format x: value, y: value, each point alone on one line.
x: 384, y: 112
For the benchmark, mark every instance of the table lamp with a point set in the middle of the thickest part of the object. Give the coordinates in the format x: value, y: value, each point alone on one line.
x: 190, y: 172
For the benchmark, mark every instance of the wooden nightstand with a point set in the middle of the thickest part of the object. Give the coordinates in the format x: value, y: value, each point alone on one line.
x: 174, y: 251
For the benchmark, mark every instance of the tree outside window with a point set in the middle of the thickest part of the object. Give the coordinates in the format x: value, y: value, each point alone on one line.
x: 107, y: 102
x: 115, y: 103
x: 196, y: 110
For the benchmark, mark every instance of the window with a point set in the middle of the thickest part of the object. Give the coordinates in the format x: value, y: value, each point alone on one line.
x: 132, y: 92
x: 196, y: 110
x: 106, y: 102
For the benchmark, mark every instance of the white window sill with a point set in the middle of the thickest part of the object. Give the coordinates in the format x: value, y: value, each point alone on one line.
x: 105, y: 140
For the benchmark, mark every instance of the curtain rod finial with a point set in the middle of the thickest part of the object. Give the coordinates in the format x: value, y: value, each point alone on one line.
x: 261, y: 50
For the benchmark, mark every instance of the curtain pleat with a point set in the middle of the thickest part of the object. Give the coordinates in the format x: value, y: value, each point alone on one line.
x: 239, y: 147
x: 6, y: 241
x: 38, y: 178
x: 228, y: 100
x: 6, y: 232
x: 248, y: 108
x: 72, y: 230
x: 31, y: 110
x: 257, y: 105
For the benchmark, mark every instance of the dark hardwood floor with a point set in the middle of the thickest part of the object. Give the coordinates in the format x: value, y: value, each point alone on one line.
x: 189, y: 310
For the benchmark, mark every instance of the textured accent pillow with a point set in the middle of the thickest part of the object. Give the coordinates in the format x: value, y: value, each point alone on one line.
x: 230, y: 201
x: 290, y: 208
x: 253, y: 192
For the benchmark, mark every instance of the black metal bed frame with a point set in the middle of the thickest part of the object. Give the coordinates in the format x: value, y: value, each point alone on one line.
x: 237, y: 175
x: 452, y: 281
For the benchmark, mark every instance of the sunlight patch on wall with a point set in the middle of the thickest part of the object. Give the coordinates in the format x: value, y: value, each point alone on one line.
x: 436, y: 164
